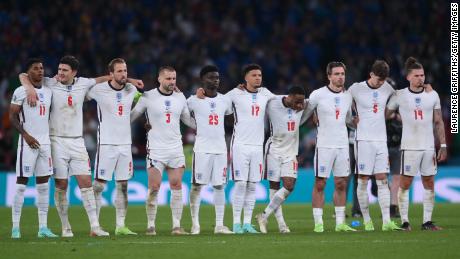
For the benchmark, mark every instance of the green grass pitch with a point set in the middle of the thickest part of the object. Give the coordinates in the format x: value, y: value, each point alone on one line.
x: 301, y: 243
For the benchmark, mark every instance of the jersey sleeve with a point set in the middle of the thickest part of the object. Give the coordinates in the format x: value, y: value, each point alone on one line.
x: 139, y: 109
x: 19, y: 96
x: 269, y: 94
x: 190, y: 103
x: 306, y: 112
x: 88, y: 82
x: 91, y: 94
x: 185, y: 116
x: 437, y: 104
x: 393, y: 103
x: 47, y: 81
x: 229, y: 109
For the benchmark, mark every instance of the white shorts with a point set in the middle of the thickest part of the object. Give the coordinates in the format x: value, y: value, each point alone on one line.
x: 209, y: 168
x: 414, y: 161
x: 110, y: 158
x: 277, y: 167
x: 33, y: 161
x: 247, y: 163
x: 162, y: 161
x: 69, y: 157
x: 371, y: 157
x: 335, y: 159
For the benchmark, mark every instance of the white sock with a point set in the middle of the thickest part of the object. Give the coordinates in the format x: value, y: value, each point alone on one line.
x: 428, y: 204
x: 278, y: 211
x: 275, y: 202
x: 363, y: 199
x: 403, y: 200
x: 238, y: 200
x: 176, y: 207
x: 318, y: 215
x: 219, y: 204
x: 62, y: 207
x: 151, y: 205
x: 339, y: 215
x: 98, y: 188
x: 17, y: 204
x: 89, y: 202
x: 43, y: 202
x: 121, y: 203
x: 195, y: 200
x: 384, y: 200
x: 249, y: 202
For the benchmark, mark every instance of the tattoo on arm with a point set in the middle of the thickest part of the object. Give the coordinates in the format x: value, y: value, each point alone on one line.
x: 439, y: 130
x: 14, y: 118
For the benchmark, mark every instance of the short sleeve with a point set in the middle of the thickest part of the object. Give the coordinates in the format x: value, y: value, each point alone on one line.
x: 19, y: 96
x: 393, y: 103
x: 229, y: 108
x: 437, y: 104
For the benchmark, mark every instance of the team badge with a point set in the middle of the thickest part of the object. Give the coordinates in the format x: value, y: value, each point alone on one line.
x: 322, y: 169
x: 361, y: 167
x: 41, y: 97
x: 407, y: 168
x: 69, y: 88
x: 237, y: 173
x: 119, y: 96
x: 254, y: 98
x: 375, y: 94
x: 337, y: 100
x: 168, y: 104
x: 418, y: 101
x: 27, y: 169
x: 102, y: 171
x: 270, y: 172
x: 198, y: 176
x: 213, y: 105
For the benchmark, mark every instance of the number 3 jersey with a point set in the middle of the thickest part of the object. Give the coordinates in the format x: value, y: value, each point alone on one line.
x: 209, y: 114
x: 416, y: 110
x: 113, y: 112
x: 370, y: 106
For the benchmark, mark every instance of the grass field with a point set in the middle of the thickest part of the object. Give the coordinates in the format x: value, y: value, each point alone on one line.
x: 301, y: 243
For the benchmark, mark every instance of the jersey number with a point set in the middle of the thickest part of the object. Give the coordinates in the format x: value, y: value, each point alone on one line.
x: 69, y: 100
x: 42, y: 110
x: 291, y: 125
x: 120, y: 110
x: 375, y: 109
x: 255, y: 110
x: 337, y: 114
x: 168, y: 117
x: 213, y: 119
x: 418, y: 114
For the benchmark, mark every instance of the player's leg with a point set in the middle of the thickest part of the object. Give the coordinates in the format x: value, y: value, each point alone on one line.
x: 395, y: 165
x: 428, y: 170
x: 201, y: 173
x: 219, y: 181
x: 410, y: 165
x: 255, y: 176
x: 175, y: 174
x: 104, y: 165
x: 341, y: 170
x: 240, y: 174
x: 365, y: 156
x: 154, y: 171
x: 322, y: 165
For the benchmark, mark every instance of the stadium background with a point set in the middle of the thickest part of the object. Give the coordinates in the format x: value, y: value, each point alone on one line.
x: 292, y: 40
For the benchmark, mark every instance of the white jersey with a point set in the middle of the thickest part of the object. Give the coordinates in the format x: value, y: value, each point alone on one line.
x: 164, y: 113
x: 284, y: 128
x: 113, y: 111
x: 416, y: 110
x: 34, y: 120
x: 370, y: 106
x: 332, y: 109
x: 66, y: 116
x: 209, y: 114
x: 249, y: 112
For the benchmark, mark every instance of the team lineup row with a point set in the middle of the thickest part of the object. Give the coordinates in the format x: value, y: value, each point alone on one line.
x: 48, y: 114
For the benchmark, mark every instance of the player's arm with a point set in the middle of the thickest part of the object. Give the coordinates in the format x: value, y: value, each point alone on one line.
x: 350, y: 120
x: 440, y: 134
x: 186, y: 117
x: 14, y: 119
x: 139, y: 109
x: 32, y: 96
x: 392, y: 105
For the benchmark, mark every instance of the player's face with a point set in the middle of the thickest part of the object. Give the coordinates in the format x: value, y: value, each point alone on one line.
x: 167, y: 80
x: 376, y: 81
x: 337, y: 77
x: 120, y: 73
x: 36, y: 72
x: 254, y: 78
x: 297, y: 102
x: 66, y: 74
x: 211, y: 80
x: 416, y: 77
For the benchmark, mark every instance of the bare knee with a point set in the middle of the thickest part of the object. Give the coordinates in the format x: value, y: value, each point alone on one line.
x: 274, y: 185
x: 61, y: 184
x: 320, y: 184
x: 428, y: 182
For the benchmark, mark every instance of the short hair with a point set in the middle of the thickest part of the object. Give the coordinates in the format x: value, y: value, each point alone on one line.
x: 113, y: 62
x: 208, y: 69
x: 249, y: 67
x: 334, y: 64
x: 166, y: 68
x: 412, y: 63
x: 30, y: 62
x: 381, y: 69
x: 296, y: 89
x: 71, y: 61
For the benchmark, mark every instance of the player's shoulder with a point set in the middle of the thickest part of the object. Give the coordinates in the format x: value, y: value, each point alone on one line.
x: 356, y: 86
x: 84, y: 81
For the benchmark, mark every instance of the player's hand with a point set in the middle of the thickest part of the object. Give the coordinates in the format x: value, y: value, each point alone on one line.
x: 428, y: 87
x: 200, y: 93
x: 147, y: 126
x: 442, y: 154
x: 137, y: 83
x: 31, y: 141
x: 355, y: 120
x: 240, y: 86
x: 176, y: 89
x: 32, y: 97
x: 314, y: 118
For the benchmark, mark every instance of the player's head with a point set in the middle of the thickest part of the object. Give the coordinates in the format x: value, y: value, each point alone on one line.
x: 296, y: 98
x: 167, y: 78
x: 414, y: 72
x: 118, y: 70
x: 34, y: 68
x: 252, y: 74
x: 209, y: 76
x: 67, y: 70
x: 336, y: 73
x: 379, y: 73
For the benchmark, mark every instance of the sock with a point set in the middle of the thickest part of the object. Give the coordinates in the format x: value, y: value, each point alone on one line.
x: 151, y: 205
x: 62, y: 207
x: 278, y: 211
x: 43, y: 202
x: 176, y: 207
x: 384, y: 200
x: 403, y: 200
x: 98, y: 188
x: 249, y: 202
x: 17, y: 204
x: 238, y: 200
x: 318, y: 215
x: 219, y: 204
x: 89, y: 202
x: 195, y: 200
x: 363, y: 199
x: 275, y: 202
x: 121, y: 203
x: 339, y: 215
x: 428, y: 204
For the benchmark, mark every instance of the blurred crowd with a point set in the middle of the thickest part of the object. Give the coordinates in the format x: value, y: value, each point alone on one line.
x: 292, y: 40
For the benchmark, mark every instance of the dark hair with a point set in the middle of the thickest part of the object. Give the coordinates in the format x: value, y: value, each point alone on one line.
x: 30, y: 62
x: 208, y: 69
x: 296, y: 90
x: 249, y: 67
x: 166, y: 68
x: 71, y: 61
x: 381, y: 69
x: 334, y: 64
x: 412, y: 63
x: 115, y: 61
